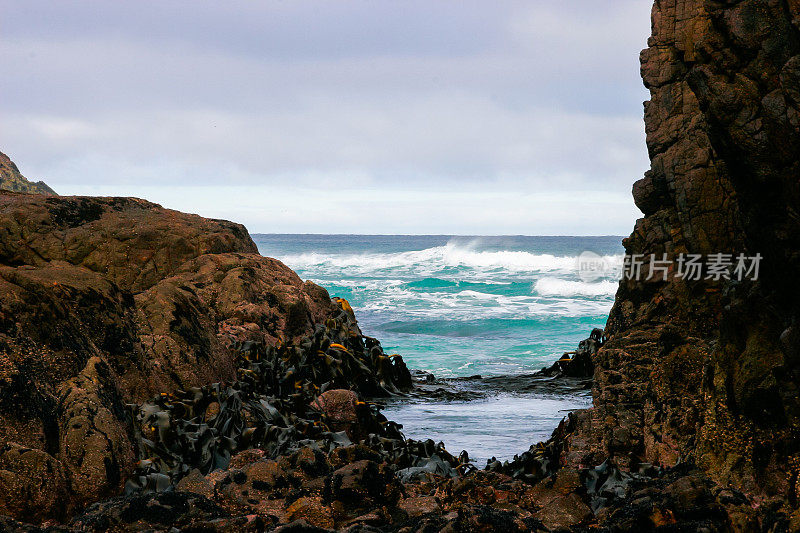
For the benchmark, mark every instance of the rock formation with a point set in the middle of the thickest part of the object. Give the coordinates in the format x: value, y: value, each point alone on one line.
x: 105, y: 301
x: 696, y: 417
x: 12, y: 180
x: 579, y: 363
x: 708, y: 371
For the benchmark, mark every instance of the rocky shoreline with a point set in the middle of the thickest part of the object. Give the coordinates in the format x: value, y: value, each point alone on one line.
x: 108, y: 301
x: 154, y: 354
x: 156, y: 373
x: 159, y: 374
x: 284, y: 447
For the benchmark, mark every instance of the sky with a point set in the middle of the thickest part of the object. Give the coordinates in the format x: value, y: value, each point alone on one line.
x: 415, y: 117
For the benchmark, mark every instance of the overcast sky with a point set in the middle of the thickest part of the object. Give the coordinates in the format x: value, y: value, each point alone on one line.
x: 339, y: 116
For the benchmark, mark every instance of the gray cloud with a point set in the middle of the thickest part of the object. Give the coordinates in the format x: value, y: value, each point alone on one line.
x: 166, y: 99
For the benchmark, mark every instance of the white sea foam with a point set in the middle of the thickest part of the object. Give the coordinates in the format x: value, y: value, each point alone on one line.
x: 389, y: 284
x: 434, y: 260
x: 473, y: 305
x: 560, y: 287
x: 476, y: 295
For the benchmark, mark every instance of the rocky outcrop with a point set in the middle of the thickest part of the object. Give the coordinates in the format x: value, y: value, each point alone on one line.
x: 106, y: 301
x: 695, y: 424
x: 708, y: 370
x: 284, y: 397
x: 12, y: 180
x: 580, y: 363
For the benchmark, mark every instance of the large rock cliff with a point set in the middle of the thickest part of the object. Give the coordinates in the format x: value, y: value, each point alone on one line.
x: 105, y: 301
x: 708, y: 371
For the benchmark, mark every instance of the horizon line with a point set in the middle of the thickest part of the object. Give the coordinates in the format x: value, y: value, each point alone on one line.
x: 429, y: 235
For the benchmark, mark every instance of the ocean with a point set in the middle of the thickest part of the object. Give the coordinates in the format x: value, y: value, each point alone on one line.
x: 459, y: 306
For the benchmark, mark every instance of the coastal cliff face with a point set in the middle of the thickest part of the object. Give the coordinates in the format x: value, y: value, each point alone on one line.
x: 12, y: 180
x: 105, y: 301
x: 708, y: 371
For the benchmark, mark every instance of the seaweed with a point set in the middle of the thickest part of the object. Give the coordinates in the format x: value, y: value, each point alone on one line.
x: 268, y: 407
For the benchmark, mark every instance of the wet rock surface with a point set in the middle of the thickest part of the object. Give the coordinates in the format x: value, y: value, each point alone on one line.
x: 285, y: 398
x: 428, y: 387
x: 296, y: 442
x: 286, y: 447
x: 580, y: 363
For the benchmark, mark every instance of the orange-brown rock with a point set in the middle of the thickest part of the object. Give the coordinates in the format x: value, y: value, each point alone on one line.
x: 709, y: 370
x: 32, y: 483
x: 105, y: 301
x: 339, y: 408
x: 311, y: 509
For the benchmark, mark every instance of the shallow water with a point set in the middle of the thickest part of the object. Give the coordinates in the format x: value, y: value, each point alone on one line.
x: 489, y: 417
x: 501, y: 426
x: 459, y: 306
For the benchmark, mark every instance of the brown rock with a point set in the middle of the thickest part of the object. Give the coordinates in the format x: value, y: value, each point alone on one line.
x: 32, y: 483
x: 419, y: 505
x: 697, y: 368
x: 196, y: 483
x: 338, y: 405
x: 564, y: 511
x: 94, y: 448
x: 350, y: 454
x: 134, y: 243
x: 258, y: 487
x: 567, y: 480
x: 162, y: 511
x: 105, y: 301
x: 362, y: 484
x: 265, y: 474
x: 312, y: 510
x: 246, y: 458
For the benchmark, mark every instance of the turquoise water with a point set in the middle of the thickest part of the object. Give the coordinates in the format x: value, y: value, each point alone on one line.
x: 458, y: 306
x: 462, y: 306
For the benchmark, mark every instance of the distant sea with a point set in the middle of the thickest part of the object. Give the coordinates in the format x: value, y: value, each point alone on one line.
x: 461, y: 306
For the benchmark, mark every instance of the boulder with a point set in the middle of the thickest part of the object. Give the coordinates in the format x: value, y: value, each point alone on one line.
x: 564, y: 511
x: 312, y: 510
x: 361, y: 484
x: 32, y: 484
x: 105, y: 301
x: 338, y: 406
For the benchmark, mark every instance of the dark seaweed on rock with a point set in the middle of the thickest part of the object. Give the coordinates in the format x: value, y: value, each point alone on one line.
x: 580, y: 363
x: 541, y: 460
x: 270, y: 407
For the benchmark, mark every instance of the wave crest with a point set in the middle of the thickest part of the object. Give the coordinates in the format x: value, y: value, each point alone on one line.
x: 439, y: 258
x: 561, y: 287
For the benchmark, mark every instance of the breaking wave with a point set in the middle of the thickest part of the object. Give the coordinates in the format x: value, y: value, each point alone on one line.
x: 561, y: 287
x: 494, y: 305
x: 450, y: 259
